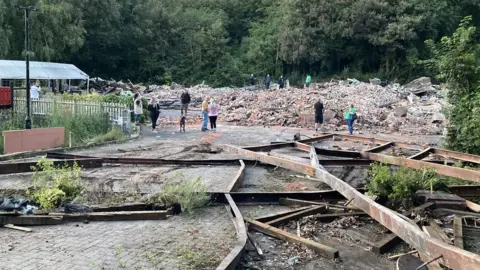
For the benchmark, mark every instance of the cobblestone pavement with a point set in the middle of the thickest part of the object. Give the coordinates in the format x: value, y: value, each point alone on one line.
x: 199, y: 241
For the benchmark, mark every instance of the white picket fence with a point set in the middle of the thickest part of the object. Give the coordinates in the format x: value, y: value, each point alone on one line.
x: 45, y: 106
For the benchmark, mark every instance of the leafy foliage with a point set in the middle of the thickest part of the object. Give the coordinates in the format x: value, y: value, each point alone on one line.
x: 221, y: 42
x: 457, y: 61
x: 53, y: 185
x: 399, y: 186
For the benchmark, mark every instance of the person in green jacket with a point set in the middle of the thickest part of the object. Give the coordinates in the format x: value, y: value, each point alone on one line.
x: 350, y: 117
x: 308, y: 81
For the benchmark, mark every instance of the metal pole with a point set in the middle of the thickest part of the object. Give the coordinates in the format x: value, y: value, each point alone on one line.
x: 28, y: 121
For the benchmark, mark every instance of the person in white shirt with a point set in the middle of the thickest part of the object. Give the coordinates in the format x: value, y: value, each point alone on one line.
x: 35, y: 92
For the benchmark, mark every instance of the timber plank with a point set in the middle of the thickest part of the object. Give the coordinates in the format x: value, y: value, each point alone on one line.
x: 307, y: 212
x: 321, y: 249
x: 458, y: 231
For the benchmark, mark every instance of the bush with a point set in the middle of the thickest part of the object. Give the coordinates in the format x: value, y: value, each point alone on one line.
x: 456, y: 60
x: 190, y: 194
x: 52, y: 186
x: 399, y: 187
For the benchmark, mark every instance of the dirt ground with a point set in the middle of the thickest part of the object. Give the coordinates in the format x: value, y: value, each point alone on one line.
x: 204, y: 231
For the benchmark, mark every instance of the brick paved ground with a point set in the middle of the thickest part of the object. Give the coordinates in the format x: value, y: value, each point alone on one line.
x: 174, y: 243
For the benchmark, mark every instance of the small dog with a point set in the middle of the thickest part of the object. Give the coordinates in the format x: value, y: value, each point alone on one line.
x: 182, y: 123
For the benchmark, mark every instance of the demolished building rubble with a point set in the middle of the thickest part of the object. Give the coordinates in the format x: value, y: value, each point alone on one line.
x: 415, y: 108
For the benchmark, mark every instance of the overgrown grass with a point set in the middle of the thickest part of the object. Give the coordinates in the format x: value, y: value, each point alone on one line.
x: 116, y: 134
x: 195, y: 259
x: 190, y: 194
x: 55, y: 185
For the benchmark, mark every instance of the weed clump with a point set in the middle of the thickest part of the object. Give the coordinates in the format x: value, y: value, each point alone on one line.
x: 53, y: 186
x: 190, y: 194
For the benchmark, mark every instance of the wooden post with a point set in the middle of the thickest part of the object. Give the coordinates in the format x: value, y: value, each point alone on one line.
x: 458, y: 231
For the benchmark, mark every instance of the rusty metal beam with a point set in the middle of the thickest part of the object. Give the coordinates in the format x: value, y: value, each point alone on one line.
x: 274, y: 197
x: 273, y: 146
x: 231, y: 261
x: 238, y: 180
x: 24, y: 167
x: 422, y: 154
x: 269, y: 147
x: 377, y: 141
x: 460, y: 173
x: 454, y: 257
x: 457, y: 155
x: 281, y: 214
x: 328, y: 152
x: 381, y: 147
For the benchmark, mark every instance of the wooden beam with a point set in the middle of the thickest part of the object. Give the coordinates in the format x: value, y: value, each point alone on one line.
x: 440, y: 232
x: 458, y: 231
x: 13, y: 227
x: 328, y: 152
x: 473, y: 206
x: 381, y: 147
x: 455, y: 212
x: 113, y: 216
x: 321, y: 249
x: 307, y: 212
x: 281, y: 214
x: 30, y: 220
x: 422, y: 154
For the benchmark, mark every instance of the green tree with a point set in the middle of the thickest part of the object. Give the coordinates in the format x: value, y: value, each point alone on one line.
x: 456, y: 59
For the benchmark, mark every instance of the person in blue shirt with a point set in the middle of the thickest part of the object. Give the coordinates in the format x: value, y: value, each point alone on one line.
x: 350, y: 117
x: 268, y: 81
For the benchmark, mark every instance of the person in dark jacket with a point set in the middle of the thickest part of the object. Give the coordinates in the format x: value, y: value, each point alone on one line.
x: 318, y: 115
x: 154, y: 111
x: 185, y: 98
x: 281, y: 82
x: 268, y: 81
x: 252, y: 80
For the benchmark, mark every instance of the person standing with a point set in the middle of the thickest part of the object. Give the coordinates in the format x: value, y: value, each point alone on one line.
x: 205, y: 114
x: 213, y: 114
x: 268, y: 81
x: 281, y: 82
x: 185, y: 99
x: 252, y: 80
x: 137, y: 107
x: 34, y: 91
x: 350, y: 117
x: 154, y: 110
x: 308, y: 81
x: 318, y: 115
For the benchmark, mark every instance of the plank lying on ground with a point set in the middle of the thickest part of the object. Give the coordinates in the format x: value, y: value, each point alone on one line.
x: 458, y: 231
x: 18, y: 228
x: 31, y: 220
x: 440, y: 232
x: 319, y: 209
x: 114, y: 216
x: 281, y: 214
x: 473, y: 206
x: 392, y: 239
x: 295, y: 202
x: 321, y: 249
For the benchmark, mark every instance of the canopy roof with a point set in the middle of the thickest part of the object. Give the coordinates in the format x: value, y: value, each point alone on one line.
x: 10, y: 69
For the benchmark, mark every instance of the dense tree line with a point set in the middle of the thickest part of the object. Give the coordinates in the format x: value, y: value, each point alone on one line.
x: 221, y: 42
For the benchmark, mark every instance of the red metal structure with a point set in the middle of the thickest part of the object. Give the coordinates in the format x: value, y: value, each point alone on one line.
x: 6, y: 97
